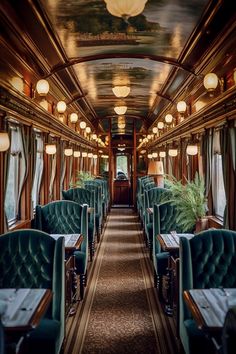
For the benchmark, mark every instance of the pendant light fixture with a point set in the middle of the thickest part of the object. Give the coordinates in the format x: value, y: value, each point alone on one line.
x: 125, y: 8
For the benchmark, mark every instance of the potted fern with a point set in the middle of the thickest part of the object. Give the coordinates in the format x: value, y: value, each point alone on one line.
x: 190, y: 202
x: 81, y: 178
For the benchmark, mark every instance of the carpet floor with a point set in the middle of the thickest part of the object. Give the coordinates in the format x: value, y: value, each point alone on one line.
x: 121, y: 312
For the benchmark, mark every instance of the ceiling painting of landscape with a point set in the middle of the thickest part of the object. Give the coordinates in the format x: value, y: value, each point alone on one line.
x: 98, y: 77
x: 85, y: 27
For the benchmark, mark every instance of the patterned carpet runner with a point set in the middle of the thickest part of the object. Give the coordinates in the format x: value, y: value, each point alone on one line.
x: 121, y: 312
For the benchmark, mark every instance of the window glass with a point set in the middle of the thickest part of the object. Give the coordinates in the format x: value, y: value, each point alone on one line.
x: 38, y: 171
x: 121, y: 167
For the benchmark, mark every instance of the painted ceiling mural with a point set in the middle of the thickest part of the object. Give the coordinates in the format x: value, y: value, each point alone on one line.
x: 86, y: 28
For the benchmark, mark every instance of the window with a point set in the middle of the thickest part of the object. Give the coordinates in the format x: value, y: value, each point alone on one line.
x: 218, y: 190
x: 38, y: 170
x: 121, y: 167
x: 16, y: 175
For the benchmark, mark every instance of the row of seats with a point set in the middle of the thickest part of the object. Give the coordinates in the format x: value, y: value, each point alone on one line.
x: 207, y: 260
x: 30, y: 258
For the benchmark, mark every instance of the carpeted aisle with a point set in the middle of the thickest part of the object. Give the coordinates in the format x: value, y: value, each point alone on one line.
x: 121, y: 313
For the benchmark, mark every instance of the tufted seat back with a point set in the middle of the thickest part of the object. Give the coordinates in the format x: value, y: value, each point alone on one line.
x: 213, y: 259
x: 63, y: 217
x: 32, y: 259
x: 208, y: 260
x: 79, y: 195
x: 167, y: 218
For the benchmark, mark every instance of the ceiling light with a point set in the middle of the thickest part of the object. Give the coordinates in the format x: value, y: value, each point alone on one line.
x: 84, y: 154
x: 95, y: 156
x: 76, y: 153
x: 82, y: 125
x: 210, y: 81
x: 73, y: 117
x: 162, y: 154
x: 154, y: 155
x: 181, y: 106
x: 68, y: 152
x: 149, y: 156
x: 61, y: 107
x: 155, y: 130
x: 94, y: 136
x: 42, y: 87
x: 88, y: 130
x: 149, y: 136
x: 173, y: 152
x: 51, y: 149
x: 90, y: 154
x: 121, y: 91
x: 125, y: 8
x: 192, y: 150
x: 4, y: 141
x: 160, y: 125
x: 168, y: 118
x: 120, y: 109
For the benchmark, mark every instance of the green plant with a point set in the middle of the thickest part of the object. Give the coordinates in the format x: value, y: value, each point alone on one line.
x: 189, y: 199
x: 81, y: 178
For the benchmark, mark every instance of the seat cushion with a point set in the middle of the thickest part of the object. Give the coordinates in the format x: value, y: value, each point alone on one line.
x: 45, y: 338
x: 162, y: 262
x: 80, y: 262
x: 198, y: 342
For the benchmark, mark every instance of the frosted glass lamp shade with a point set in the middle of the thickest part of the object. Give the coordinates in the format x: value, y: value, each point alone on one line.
x: 84, y: 154
x: 82, y: 125
x: 51, y: 149
x: 4, y: 141
x: 121, y: 91
x: 95, y: 156
x: 154, y: 130
x: 88, y: 130
x: 160, y: 125
x: 154, y: 155
x: 149, y: 156
x: 90, y: 154
x: 181, y: 106
x: 76, y: 153
x: 120, y: 109
x: 61, y: 107
x: 125, y: 8
x: 68, y: 152
x: 210, y: 81
x: 173, y: 152
x: 168, y: 118
x: 42, y: 87
x: 17, y: 83
x: 162, y: 154
x: 192, y: 150
x: 74, y: 117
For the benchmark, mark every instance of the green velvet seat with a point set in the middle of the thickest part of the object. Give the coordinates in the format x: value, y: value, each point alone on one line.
x: 229, y: 332
x: 67, y: 217
x: 152, y: 196
x: 32, y: 259
x: 2, y: 338
x: 84, y: 196
x: 97, y: 190
x: 208, y: 260
x: 164, y: 221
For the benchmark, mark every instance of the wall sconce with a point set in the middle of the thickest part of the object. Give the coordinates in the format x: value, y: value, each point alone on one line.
x: 82, y: 125
x: 61, y: 107
x: 181, y: 107
x: 173, y: 152
x: 121, y: 91
x: 17, y: 83
x: 88, y: 130
x: 192, y: 150
x: 4, y: 141
x: 162, y: 154
x: 154, y: 155
x: 84, y: 154
x: 90, y: 155
x: 168, y: 118
x: 73, y: 118
x: 95, y: 156
x: 120, y: 110
x: 94, y: 136
x: 160, y: 125
x: 51, y: 149
x: 76, y: 153
x: 68, y: 152
x: 155, y: 130
x: 210, y: 81
x: 42, y: 87
x: 149, y: 136
x: 149, y: 156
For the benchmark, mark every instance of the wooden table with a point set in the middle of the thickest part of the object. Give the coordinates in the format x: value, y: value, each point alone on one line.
x: 209, y: 307
x: 24, y: 308
x: 72, y: 241
x: 170, y: 242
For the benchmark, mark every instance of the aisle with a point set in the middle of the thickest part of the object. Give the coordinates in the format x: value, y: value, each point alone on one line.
x: 121, y: 313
